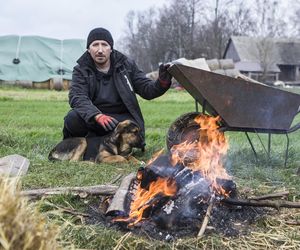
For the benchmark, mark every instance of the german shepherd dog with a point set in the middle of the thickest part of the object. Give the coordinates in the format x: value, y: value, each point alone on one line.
x: 114, y: 147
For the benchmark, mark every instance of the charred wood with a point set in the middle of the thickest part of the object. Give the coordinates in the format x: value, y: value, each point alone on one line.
x: 184, y: 176
x: 207, y: 216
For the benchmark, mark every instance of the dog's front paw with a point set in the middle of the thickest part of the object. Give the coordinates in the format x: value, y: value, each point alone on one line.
x: 132, y: 159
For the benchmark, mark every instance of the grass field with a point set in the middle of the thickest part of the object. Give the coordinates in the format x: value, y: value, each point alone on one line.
x: 30, y: 125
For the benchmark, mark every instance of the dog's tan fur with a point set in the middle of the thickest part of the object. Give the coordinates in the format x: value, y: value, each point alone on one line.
x: 116, y: 147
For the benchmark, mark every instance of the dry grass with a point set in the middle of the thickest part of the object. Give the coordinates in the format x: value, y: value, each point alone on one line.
x: 276, y: 233
x: 21, y: 225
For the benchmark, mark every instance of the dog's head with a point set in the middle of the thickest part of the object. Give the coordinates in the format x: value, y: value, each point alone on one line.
x: 128, y: 135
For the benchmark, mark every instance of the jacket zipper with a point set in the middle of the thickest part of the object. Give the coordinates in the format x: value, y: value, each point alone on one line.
x: 128, y: 83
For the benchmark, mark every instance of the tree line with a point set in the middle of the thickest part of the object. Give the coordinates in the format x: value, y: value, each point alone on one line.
x: 198, y: 28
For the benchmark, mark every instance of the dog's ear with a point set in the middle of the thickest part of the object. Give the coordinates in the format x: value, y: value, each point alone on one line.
x: 118, y: 131
x: 123, y: 127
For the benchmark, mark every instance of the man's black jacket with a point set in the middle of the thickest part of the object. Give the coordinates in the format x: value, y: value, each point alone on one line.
x: 128, y: 78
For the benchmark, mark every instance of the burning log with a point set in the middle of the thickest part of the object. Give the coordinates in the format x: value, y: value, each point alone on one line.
x: 182, y: 207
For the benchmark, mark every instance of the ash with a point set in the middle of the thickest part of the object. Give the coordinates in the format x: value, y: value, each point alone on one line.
x: 224, y: 220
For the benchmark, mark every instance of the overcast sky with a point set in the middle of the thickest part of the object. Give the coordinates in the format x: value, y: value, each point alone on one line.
x: 67, y: 18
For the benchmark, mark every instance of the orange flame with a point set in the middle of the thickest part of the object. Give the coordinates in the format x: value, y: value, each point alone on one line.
x: 206, y: 154
x: 146, y: 198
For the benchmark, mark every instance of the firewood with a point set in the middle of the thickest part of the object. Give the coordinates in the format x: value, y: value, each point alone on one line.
x: 207, y: 216
x: 90, y: 190
x: 117, y: 178
x: 117, y: 204
x: 270, y: 196
x: 121, y: 240
x: 68, y: 210
x: 262, y: 203
x: 293, y: 223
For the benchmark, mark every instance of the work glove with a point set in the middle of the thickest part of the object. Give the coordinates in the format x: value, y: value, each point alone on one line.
x: 164, y: 76
x: 107, y: 122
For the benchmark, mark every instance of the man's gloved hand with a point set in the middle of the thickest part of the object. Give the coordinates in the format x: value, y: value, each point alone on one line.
x: 164, y: 76
x: 106, y: 121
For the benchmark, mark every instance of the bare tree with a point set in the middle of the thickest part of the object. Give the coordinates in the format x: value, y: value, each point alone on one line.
x: 139, y: 40
x: 269, y: 19
x: 269, y: 25
x: 162, y: 36
x: 179, y: 23
x: 229, y: 18
x: 240, y: 22
x: 266, y: 56
x: 296, y: 22
x: 195, y: 28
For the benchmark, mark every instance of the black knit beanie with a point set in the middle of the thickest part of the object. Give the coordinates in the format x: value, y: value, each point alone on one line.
x: 100, y: 34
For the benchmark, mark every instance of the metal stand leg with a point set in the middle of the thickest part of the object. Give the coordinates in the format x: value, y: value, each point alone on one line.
x: 261, y: 142
x: 196, y: 106
x: 269, y: 145
x: 287, y: 149
x: 250, y: 142
x: 204, y: 107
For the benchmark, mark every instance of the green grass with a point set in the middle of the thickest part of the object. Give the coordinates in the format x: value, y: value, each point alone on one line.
x: 30, y: 125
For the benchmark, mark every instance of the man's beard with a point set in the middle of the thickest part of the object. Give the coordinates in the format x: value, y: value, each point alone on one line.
x: 101, y: 60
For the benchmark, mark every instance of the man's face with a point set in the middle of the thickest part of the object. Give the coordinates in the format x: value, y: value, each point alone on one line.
x: 100, y: 51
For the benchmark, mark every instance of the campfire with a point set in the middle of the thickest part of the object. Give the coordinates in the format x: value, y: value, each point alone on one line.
x: 187, y: 191
x: 176, y: 189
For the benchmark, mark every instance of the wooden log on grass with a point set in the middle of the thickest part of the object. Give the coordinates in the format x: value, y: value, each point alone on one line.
x: 270, y: 196
x: 89, y: 190
x: 261, y: 203
x: 117, y: 205
x: 111, y: 190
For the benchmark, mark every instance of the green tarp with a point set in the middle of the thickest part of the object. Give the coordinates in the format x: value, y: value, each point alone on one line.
x: 38, y: 59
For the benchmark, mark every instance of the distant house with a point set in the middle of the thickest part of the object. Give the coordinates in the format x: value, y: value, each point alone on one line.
x: 267, y: 60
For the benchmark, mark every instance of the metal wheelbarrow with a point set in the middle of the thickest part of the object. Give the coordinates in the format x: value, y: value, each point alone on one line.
x: 242, y: 105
